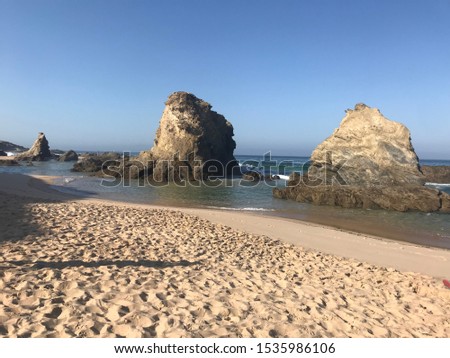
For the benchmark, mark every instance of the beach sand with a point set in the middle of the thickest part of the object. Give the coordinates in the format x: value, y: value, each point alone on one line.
x: 73, y: 267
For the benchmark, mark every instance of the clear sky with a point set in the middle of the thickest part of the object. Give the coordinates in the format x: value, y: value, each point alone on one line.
x: 94, y: 75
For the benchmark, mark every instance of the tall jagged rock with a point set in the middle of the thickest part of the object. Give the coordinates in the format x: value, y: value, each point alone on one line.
x: 369, y: 149
x: 40, y: 150
x: 192, y: 141
x: 368, y: 162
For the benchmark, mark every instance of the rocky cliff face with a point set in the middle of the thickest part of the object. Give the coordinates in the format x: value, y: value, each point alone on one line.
x: 368, y: 162
x: 369, y: 149
x: 197, y: 141
x: 40, y: 150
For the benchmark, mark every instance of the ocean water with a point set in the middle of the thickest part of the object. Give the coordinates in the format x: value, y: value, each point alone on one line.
x: 428, y: 229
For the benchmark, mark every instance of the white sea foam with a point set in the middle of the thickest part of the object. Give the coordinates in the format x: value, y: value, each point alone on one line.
x: 284, y: 177
x: 69, y: 180
x: 247, y: 167
x: 10, y: 154
x: 437, y: 184
x: 239, y: 209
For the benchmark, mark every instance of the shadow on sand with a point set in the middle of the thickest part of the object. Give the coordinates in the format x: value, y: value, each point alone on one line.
x: 17, y: 221
x: 119, y: 263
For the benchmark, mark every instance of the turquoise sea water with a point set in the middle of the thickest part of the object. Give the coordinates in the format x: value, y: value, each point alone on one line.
x: 430, y: 229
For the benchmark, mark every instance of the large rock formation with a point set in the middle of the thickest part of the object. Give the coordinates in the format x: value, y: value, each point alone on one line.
x: 40, y: 150
x: 192, y: 141
x: 368, y: 149
x: 368, y: 162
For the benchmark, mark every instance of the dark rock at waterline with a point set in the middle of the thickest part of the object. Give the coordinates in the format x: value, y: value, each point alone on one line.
x: 436, y: 174
x: 69, y: 156
x: 40, y: 151
x: 398, y: 198
x: 3, y: 154
x: 252, y: 176
x: 445, y: 203
x: 133, y: 168
x: 57, y: 152
x: 9, y: 163
x: 115, y: 165
x: 95, y: 163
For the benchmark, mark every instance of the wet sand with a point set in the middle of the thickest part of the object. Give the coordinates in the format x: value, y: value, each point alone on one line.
x: 374, y: 228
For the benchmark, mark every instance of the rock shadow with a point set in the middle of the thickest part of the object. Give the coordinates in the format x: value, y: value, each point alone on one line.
x: 17, y: 221
x: 96, y: 264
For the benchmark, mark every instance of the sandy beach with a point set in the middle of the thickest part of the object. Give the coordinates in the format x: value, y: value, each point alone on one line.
x: 73, y: 267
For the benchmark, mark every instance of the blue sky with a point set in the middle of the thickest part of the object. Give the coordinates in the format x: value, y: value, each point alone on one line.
x: 95, y: 74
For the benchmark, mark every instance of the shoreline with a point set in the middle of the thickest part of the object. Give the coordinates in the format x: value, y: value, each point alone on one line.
x: 377, y: 250
x: 374, y: 223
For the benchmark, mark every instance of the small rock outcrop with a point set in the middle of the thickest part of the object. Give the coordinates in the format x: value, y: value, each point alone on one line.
x: 40, y: 151
x: 69, y: 156
x: 445, y: 203
x: 11, y: 147
x: 192, y: 141
x: 368, y: 162
x: 436, y: 174
x: 96, y: 163
x: 8, y: 163
x: 3, y: 154
x: 253, y: 176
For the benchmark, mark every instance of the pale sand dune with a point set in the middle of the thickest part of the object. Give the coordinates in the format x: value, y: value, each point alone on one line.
x: 73, y: 268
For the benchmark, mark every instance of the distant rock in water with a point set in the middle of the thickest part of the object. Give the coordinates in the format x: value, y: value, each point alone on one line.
x: 69, y: 156
x: 436, y: 174
x: 11, y: 147
x: 253, y: 176
x: 97, y: 164
x: 368, y: 162
x: 57, y: 152
x: 40, y: 151
x: 196, y: 141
